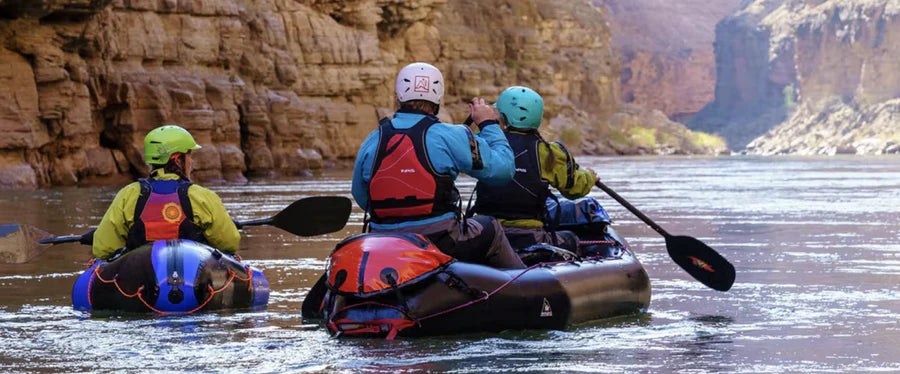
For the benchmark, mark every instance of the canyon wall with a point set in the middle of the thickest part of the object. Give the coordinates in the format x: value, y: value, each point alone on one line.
x: 808, y: 77
x: 666, y: 51
x: 279, y: 87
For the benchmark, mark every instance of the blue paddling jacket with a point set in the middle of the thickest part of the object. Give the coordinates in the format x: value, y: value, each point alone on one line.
x: 449, y: 150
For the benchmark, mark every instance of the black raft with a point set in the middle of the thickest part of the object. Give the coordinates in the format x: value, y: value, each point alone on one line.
x: 384, y: 285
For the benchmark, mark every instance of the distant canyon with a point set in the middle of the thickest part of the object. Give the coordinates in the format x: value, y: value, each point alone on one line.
x: 282, y: 87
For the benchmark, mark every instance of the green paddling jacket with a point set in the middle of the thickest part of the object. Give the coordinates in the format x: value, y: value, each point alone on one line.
x: 208, y: 212
x: 562, y: 173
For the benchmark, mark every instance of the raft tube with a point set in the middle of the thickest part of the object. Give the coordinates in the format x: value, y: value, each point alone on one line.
x: 170, y: 277
x: 606, y: 280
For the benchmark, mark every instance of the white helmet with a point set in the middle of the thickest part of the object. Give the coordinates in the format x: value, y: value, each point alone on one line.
x: 420, y: 81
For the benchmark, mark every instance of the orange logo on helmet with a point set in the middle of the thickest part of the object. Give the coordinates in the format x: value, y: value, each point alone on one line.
x: 701, y: 264
x: 422, y: 84
x: 171, y: 212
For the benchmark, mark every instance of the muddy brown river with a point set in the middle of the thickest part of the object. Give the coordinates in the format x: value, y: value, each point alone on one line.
x: 814, y: 240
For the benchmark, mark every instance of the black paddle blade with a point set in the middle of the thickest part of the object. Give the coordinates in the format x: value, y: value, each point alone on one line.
x: 315, y: 215
x: 701, y: 262
x: 312, y: 304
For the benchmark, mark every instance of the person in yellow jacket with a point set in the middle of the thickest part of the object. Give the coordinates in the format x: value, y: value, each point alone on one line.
x: 521, y: 204
x: 166, y: 205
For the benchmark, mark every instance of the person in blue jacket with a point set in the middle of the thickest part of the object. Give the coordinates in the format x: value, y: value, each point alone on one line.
x: 405, y: 171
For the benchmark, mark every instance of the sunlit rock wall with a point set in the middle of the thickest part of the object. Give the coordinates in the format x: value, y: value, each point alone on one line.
x: 666, y: 51
x: 276, y: 87
x: 808, y: 77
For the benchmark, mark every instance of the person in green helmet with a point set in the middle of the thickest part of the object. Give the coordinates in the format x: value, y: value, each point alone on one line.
x: 166, y: 205
x: 521, y: 204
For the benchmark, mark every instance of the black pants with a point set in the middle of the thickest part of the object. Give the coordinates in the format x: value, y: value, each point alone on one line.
x: 481, y: 240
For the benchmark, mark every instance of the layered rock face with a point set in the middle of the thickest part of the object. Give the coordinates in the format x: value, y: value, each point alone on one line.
x: 262, y: 85
x: 808, y: 77
x: 666, y: 51
x: 274, y: 86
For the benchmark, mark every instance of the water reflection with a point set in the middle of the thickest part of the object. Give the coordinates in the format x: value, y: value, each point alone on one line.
x: 814, y: 241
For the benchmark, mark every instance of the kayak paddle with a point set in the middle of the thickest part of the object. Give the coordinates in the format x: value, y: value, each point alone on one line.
x: 311, y: 216
x: 698, y: 259
x: 316, y: 215
x: 312, y: 303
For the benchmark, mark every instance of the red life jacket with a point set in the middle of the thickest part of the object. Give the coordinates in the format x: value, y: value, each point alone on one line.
x: 163, y: 212
x: 404, y: 185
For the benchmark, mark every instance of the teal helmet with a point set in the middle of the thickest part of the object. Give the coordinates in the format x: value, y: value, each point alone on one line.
x: 163, y: 142
x: 521, y: 106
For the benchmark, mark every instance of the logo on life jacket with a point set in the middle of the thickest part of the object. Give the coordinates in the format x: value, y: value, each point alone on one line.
x: 521, y: 170
x: 172, y: 213
x: 422, y: 84
x: 545, y: 310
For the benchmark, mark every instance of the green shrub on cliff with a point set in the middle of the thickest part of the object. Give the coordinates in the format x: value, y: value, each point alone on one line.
x: 790, y: 98
x: 707, y: 141
x: 643, y: 137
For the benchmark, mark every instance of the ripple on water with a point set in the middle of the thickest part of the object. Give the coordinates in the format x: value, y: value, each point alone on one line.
x: 814, y: 241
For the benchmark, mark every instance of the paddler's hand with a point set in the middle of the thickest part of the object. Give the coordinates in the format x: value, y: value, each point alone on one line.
x: 481, y: 112
x: 596, y: 175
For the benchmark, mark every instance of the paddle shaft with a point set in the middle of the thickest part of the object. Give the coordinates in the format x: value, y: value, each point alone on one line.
x: 315, y: 215
x: 63, y: 239
x: 77, y: 238
x: 254, y: 222
x: 632, y: 209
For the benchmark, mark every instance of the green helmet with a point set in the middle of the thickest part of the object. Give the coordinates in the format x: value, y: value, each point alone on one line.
x: 163, y: 142
x: 521, y: 106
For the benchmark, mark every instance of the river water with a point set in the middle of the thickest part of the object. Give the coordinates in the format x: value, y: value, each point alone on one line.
x: 814, y: 241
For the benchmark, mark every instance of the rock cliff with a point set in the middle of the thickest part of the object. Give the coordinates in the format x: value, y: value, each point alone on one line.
x: 666, y: 51
x: 278, y: 87
x: 808, y: 77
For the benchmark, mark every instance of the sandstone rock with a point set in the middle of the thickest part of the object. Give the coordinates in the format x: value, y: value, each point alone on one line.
x: 261, y: 160
x: 311, y: 158
x: 807, y: 77
x: 62, y: 172
x: 17, y: 176
x: 100, y: 162
x: 19, y: 108
x: 836, y: 128
x: 666, y: 50
x: 122, y: 164
x: 232, y: 158
x: 206, y: 158
x: 268, y: 84
x: 210, y: 176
